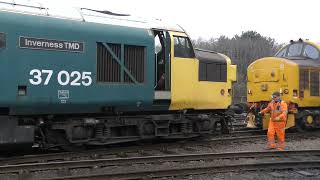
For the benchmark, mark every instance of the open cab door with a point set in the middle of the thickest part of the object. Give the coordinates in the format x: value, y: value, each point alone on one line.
x: 162, y: 66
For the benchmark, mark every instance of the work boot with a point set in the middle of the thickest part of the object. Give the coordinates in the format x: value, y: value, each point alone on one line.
x: 270, y: 146
x: 281, y: 146
x: 280, y: 149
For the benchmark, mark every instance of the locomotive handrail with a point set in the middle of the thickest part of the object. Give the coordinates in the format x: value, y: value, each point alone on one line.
x: 42, y: 11
x: 92, y: 15
x: 24, y: 5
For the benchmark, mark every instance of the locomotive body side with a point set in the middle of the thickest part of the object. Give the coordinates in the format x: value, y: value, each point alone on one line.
x: 202, y: 81
x: 39, y: 78
x: 99, y: 80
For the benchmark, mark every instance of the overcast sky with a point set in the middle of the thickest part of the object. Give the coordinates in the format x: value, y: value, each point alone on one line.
x: 279, y: 19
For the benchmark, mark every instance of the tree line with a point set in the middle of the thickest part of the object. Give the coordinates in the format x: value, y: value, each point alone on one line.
x: 243, y: 50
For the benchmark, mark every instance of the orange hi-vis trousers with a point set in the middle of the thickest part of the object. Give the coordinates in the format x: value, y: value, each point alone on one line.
x: 277, y: 127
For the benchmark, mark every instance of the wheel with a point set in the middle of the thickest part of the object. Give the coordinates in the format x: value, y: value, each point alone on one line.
x: 299, y: 125
x: 58, y: 139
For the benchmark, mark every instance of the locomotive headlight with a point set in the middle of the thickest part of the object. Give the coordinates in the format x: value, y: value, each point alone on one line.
x: 264, y: 87
x: 249, y: 91
x: 272, y: 74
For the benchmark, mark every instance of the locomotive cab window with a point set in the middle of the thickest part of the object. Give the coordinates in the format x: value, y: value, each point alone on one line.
x: 213, y: 72
x: 2, y: 40
x: 282, y: 53
x: 212, y: 66
x: 311, y: 52
x: 183, y: 47
x: 303, y: 50
x: 295, y: 50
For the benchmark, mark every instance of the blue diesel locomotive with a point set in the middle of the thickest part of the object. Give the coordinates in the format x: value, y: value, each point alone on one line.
x: 95, y: 77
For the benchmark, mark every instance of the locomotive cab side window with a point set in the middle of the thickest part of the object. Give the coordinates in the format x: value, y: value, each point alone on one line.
x: 183, y: 47
x: 212, y: 66
x: 282, y: 53
x: 2, y: 40
x: 212, y: 72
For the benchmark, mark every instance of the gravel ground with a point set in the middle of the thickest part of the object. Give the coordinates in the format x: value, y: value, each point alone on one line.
x: 311, y: 141
x: 306, y: 174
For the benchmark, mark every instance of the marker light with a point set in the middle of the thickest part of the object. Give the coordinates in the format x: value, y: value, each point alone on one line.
x: 222, y: 92
x: 295, y: 93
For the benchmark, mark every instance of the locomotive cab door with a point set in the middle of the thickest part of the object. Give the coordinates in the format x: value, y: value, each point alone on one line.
x: 183, y: 72
x: 162, y: 79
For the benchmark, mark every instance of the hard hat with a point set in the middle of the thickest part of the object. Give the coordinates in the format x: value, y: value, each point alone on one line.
x: 275, y: 94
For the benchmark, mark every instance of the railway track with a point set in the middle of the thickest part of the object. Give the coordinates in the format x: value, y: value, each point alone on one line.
x: 179, y: 147
x: 174, y: 165
x: 161, y: 148
x: 238, y: 133
x: 97, y: 162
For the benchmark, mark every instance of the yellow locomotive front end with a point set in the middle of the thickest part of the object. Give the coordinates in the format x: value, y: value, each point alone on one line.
x: 271, y: 74
x: 294, y: 72
x: 266, y: 76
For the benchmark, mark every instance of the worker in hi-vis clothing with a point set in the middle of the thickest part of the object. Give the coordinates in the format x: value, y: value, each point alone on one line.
x: 278, y: 110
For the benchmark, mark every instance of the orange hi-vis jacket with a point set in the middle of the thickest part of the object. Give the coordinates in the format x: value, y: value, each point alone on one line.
x: 277, y: 109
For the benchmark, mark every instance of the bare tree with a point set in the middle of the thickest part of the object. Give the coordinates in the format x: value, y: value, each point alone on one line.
x: 243, y: 50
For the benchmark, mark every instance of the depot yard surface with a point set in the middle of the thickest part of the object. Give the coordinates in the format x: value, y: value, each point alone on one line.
x: 294, y: 142
x: 311, y: 174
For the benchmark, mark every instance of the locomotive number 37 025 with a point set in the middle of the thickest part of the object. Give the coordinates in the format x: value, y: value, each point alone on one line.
x: 64, y: 78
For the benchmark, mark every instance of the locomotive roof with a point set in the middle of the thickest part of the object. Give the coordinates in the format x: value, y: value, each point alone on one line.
x: 305, y: 53
x: 209, y: 56
x: 85, y: 15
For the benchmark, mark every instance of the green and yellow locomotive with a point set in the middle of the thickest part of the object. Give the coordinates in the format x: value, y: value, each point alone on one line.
x: 95, y: 77
x: 294, y: 72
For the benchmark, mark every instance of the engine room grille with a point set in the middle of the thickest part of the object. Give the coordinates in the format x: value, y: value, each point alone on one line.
x: 314, y: 83
x: 108, y: 70
x: 303, y: 79
x: 134, y: 61
x: 127, y: 69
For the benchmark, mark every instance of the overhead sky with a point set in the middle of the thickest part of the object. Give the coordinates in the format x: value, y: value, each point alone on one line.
x: 280, y: 19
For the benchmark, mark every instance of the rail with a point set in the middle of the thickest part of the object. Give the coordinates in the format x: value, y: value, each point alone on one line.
x: 208, y: 161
